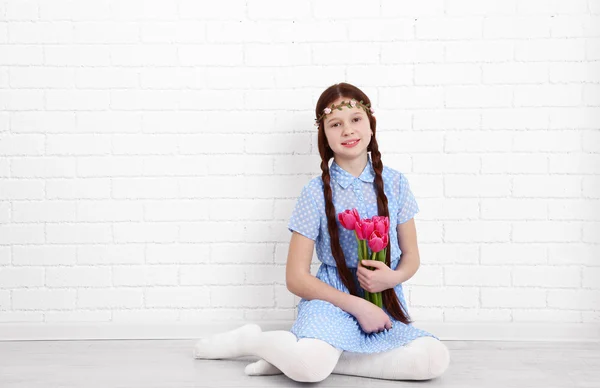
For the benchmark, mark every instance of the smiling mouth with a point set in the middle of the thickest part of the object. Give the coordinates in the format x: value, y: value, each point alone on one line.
x: 351, y: 142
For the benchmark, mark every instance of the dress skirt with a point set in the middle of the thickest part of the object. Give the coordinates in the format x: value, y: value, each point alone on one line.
x: 325, y: 321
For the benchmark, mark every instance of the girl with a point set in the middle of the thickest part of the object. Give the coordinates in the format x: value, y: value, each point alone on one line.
x: 337, y: 330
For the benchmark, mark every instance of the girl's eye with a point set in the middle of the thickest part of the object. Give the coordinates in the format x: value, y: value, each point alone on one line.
x: 358, y: 118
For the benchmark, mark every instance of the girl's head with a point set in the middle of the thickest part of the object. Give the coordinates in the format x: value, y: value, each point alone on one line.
x: 351, y: 118
x: 336, y: 127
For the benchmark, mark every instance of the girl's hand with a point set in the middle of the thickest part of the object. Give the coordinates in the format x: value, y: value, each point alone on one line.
x: 381, y: 279
x: 370, y: 317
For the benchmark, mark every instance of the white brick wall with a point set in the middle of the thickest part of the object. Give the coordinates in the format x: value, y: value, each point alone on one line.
x: 151, y: 153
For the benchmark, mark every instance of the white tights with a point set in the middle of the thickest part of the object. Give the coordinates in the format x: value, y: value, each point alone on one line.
x: 313, y: 360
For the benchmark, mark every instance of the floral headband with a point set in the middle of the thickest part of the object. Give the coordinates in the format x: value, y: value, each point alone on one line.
x: 351, y: 104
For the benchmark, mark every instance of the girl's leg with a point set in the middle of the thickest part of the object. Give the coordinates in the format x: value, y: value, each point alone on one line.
x: 421, y: 359
x: 304, y: 360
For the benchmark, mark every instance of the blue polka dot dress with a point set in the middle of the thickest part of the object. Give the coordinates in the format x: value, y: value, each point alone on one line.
x: 319, y: 318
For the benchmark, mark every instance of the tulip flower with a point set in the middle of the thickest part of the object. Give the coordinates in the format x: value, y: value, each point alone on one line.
x: 382, y: 224
x: 348, y: 218
x: 364, y: 228
x: 370, y: 233
x: 377, y: 241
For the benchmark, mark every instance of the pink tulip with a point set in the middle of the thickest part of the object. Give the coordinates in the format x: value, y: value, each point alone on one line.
x: 348, y: 218
x: 377, y: 241
x: 364, y: 228
x: 382, y: 224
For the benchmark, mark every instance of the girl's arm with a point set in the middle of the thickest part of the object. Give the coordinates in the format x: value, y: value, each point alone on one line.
x: 309, y: 287
x: 302, y: 283
x: 407, y: 240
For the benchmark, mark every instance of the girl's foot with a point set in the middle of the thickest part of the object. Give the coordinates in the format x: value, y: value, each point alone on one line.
x: 262, y: 368
x: 230, y: 344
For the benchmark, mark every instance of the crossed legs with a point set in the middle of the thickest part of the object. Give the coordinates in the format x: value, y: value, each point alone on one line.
x: 304, y: 360
x: 313, y: 360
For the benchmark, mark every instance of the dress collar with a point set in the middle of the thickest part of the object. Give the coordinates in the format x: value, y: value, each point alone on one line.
x: 344, y: 178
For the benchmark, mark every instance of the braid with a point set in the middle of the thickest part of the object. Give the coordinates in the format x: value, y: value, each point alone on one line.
x: 332, y: 226
x: 390, y: 299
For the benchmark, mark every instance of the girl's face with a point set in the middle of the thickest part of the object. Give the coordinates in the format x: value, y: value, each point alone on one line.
x: 342, y: 126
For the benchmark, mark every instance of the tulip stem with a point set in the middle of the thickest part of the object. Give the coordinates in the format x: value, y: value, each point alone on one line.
x: 377, y: 295
x: 382, y: 259
x: 361, y: 257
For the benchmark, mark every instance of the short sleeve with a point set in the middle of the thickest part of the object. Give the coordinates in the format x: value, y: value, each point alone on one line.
x: 305, y: 217
x: 407, y: 204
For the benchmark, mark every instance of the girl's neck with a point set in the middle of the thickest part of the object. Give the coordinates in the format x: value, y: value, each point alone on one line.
x: 353, y: 166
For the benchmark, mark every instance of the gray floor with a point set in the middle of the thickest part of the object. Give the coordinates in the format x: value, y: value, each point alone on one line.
x: 169, y: 363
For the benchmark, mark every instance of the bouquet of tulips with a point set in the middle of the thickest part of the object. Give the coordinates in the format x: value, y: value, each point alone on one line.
x: 370, y: 233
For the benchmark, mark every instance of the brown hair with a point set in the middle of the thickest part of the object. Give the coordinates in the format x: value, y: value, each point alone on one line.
x: 345, y: 90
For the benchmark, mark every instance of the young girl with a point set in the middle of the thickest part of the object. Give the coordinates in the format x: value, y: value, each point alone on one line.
x: 337, y: 330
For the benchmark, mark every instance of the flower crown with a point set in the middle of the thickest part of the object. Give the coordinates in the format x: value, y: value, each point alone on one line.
x: 351, y: 104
